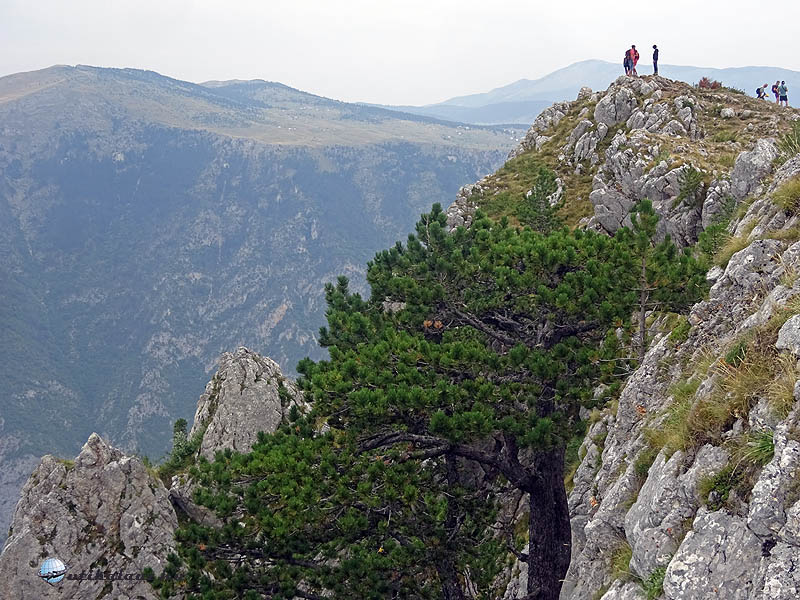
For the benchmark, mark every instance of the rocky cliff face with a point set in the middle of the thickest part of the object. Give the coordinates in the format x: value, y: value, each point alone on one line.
x: 706, y: 519
x: 688, y: 485
x: 103, y: 512
x: 247, y: 395
x: 107, y: 512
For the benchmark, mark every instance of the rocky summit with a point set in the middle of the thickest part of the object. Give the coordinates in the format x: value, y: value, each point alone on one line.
x: 686, y: 482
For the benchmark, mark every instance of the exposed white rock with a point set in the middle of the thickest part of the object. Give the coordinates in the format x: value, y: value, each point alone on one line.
x: 242, y: 399
x: 104, y: 513
x: 656, y: 523
x: 789, y: 336
x: 716, y: 560
x: 751, y: 167
x: 615, y: 107
x: 768, y: 504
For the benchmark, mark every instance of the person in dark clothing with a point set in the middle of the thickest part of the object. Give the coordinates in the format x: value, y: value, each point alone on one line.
x: 655, y: 59
x: 627, y: 62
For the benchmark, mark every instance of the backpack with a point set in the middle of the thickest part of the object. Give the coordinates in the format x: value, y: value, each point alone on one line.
x: 774, y: 89
x: 758, y: 92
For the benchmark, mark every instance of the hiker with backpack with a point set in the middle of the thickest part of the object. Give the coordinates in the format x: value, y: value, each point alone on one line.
x: 634, y: 59
x: 655, y: 59
x: 626, y: 62
x: 762, y: 92
x: 775, y: 91
x: 782, y: 94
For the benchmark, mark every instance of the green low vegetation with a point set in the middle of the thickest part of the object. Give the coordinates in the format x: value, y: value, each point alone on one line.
x: 680, y: 332
x: 726, y: 135
x: 644, y: 461
x: 620, y: 561
x: 731, y: 244
x: 653, y: 586
x: 789, y: 143
x: 692, y: 186
x: 674, y: 432
x: 715, y: 491
x: 750, y: 368
x: 787, y: 196
x: 756, y: 447
x: 183, y: 452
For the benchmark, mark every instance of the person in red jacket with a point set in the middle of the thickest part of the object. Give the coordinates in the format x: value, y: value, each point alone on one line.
x: 635, y: 59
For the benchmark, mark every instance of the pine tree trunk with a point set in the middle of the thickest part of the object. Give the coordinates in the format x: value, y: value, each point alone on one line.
x: 548, y: 529
x: 643, y: 311
x: 451, y: 587
x: 448, y: 574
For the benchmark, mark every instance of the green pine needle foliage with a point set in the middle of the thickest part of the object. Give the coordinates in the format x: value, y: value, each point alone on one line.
x: 375, y: 493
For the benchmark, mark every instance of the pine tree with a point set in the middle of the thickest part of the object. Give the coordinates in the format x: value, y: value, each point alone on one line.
x: 537, y: 212
x: 668, y: 279
x: 422, y: 418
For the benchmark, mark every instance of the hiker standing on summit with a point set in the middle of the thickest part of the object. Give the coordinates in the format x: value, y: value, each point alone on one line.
x: 782, y: 94
x: 655, y: 59
x: 634, y: 60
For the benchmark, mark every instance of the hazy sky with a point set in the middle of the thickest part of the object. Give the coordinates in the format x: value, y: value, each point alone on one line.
x: 387, y: 51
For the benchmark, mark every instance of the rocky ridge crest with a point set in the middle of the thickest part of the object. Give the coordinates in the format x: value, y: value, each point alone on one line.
x: 699, y: 517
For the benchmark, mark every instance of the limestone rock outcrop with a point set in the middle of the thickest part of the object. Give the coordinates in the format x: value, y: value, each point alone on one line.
x: 104, y: 512
x: 247, y: 395
x: 107, y: 512
x: 688, y: 537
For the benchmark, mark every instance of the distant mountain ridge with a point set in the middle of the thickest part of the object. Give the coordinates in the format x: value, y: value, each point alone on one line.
x: 523, y: 100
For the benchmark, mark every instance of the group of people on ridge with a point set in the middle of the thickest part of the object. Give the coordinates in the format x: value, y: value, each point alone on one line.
x: 780, y: 91
x: 632, y: 58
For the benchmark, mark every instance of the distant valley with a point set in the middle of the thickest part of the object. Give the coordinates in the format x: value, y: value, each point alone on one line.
x: 150, y: 224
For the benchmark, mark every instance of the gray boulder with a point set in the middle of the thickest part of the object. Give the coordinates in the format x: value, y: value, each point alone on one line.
x: 718, y: 200
x: 576, y: 134
x: 615, y: 107
x: 782, y: 574
x: 656, y: 523
x: 247, y: 395
x: 768, y: 504
x: 751, y: 167
x: 716, y: 560
x: 789, y: 336
x: 755, y: 268
x: 103, y: 512
x: 624, y: 590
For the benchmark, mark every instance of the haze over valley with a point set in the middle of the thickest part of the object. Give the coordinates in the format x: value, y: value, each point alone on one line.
x: 151, y: 224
